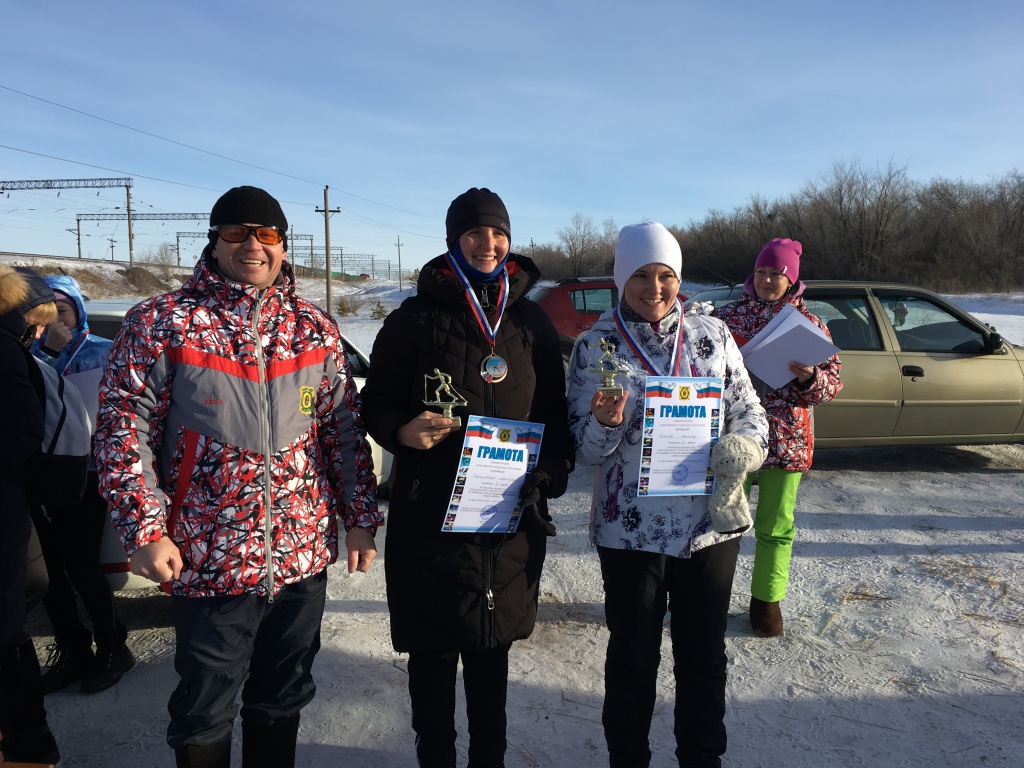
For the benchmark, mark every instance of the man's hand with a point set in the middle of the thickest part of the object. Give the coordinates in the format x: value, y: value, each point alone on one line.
x: 157, y: 561
x: 425, y: 431
x: 361, y: 549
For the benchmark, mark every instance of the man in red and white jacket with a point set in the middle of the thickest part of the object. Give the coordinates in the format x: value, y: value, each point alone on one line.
x: 229, y: 443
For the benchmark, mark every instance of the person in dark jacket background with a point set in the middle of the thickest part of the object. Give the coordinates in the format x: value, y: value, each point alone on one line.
x: 26, y: 734
x: 467, y: 595
x: 71, y: 535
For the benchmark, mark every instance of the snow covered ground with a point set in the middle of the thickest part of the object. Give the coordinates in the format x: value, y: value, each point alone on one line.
x: 904, y: 641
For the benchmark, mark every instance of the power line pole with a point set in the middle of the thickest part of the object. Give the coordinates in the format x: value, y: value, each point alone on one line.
x: 131, y: 238
x: 326, y: 211
x: 112, y: 241
x: 78, y: 231
x: 188, y: 235
x: 399, y: 244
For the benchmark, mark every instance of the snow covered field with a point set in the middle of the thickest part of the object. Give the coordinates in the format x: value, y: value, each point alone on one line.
x: 904, y: 641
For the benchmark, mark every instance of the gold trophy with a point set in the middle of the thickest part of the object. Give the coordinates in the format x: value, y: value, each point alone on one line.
x: 445, y: 396
x: 608, y: 368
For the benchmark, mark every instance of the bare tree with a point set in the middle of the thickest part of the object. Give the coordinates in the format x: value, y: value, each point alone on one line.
x: 579, y: 244
x: 604, y: 250
x: 860, y: 218
x: 163, y: 257
x: 550, y: 261
x: 854, y: 222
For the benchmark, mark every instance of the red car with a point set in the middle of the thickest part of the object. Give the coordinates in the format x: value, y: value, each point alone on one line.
x: 575, y: 304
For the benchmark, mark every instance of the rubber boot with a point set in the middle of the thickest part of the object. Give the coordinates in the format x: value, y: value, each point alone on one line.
x: 27, y: 737
x: 766, y: 618
x: 270, y: 746
x: 210, y: 756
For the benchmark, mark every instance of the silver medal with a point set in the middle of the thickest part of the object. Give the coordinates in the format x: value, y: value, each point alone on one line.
x: 493, y: 369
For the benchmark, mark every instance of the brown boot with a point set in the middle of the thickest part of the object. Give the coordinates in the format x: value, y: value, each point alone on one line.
x: 765, y: 618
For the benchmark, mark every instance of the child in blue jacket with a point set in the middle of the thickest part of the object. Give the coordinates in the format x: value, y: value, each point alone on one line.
x: 71, y: 536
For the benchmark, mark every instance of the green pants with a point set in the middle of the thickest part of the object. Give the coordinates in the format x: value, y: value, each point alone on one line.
x: 774, y: 530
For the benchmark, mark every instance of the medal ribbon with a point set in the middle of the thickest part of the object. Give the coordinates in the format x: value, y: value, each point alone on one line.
x: 491, y: 334
x: 673, y: 367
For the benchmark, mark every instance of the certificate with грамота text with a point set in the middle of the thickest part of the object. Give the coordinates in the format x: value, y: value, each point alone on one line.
x: 682, y: 418
x: 497, y: 454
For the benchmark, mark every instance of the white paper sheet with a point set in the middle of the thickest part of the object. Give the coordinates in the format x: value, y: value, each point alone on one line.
x: 789, y: 337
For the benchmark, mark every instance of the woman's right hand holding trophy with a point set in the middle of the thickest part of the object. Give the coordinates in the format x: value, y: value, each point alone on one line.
x: 609, y: 402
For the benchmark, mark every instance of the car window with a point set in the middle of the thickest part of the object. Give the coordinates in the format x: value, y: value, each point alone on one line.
x: 592, y: 300
x: 718, y: 297
x: 356, y: 364
x: 104, y: 325
x: 848, y: 319
x: 922, y: 326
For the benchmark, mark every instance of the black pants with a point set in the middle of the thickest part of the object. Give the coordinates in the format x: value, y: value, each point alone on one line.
x: 15, y: 531
x: 70, y: 538
x: 639, y: 588
x: 222, y: 642
x: 22, y: 716
x: 432, y: 691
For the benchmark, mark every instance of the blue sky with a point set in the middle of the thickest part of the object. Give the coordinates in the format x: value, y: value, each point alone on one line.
x: 629, y: 111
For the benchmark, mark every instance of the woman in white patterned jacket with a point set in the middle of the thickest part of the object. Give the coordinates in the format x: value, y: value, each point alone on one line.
x: 657, y: 552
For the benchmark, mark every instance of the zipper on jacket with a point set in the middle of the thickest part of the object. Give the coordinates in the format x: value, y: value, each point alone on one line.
x: 487, y: 565
x: 268, y: 527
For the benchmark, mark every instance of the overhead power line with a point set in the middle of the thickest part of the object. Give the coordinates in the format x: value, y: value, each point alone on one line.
x: 10, y: 186
x: 141, y: 216
x: 344, y: 211
x: 205, y: 151
x: 83, y: 184
x: 130, y: 217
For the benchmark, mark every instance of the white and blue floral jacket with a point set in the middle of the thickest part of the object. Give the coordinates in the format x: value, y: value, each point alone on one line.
x: 620, y: 519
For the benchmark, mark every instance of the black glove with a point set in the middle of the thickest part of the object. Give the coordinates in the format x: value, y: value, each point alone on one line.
x: 533, y: 486
x: 534, y: 489
x: 558, y: 481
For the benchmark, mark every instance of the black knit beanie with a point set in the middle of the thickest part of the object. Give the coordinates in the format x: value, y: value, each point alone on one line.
x: 251, y: 205
x: 38, y: 291
x: 475, y: 208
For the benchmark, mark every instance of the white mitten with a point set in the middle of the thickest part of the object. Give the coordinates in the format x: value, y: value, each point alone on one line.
x: 699, y: 308
x: 732, y: 458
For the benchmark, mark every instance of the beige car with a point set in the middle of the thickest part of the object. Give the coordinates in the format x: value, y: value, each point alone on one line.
x: 916, y: 368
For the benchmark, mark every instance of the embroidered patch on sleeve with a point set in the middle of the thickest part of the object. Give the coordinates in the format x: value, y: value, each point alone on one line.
x: 306, y: 397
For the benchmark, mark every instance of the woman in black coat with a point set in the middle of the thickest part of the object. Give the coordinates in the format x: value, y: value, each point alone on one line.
x: 26, y: 735
x: 467, y: 595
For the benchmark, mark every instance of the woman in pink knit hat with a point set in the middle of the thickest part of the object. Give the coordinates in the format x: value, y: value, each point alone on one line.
x: 774, y: 284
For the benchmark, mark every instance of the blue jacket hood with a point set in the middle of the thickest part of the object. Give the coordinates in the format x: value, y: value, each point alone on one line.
x: 68, y: 285
x: 84, y: 352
